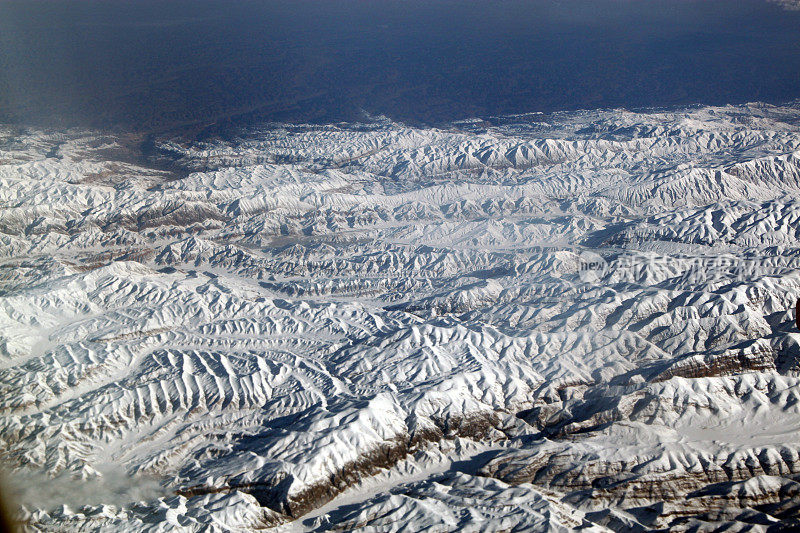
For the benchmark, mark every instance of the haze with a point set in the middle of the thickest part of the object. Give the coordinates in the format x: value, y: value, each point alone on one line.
x: 153, y: 66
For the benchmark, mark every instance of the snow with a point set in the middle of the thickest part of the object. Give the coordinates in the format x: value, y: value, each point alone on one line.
x: 582, y: 321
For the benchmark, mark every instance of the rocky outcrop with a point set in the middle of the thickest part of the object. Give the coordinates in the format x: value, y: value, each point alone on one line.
x: 584, y: 322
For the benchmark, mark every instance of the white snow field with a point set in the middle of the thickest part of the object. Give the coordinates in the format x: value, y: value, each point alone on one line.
x: 553, y: 322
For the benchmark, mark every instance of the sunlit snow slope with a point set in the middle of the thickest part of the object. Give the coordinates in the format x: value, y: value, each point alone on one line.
x: 541, y: 322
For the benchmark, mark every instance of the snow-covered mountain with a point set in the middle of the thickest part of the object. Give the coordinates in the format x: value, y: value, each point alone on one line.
x: 540, y: 322
x: 791, y: 5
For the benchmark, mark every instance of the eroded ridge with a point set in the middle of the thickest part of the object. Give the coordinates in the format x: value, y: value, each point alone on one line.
x: 549, y: 322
